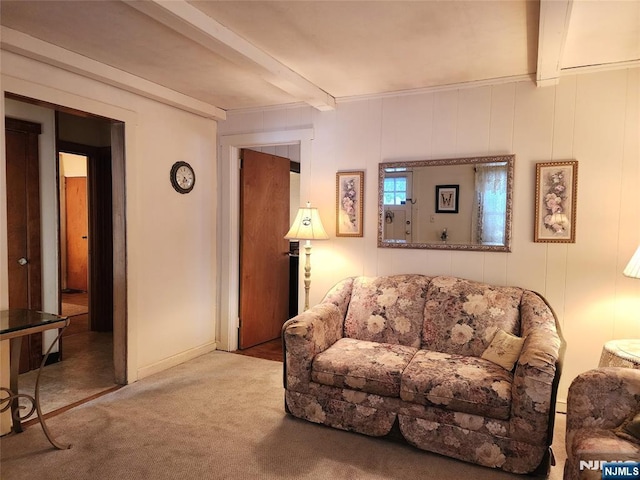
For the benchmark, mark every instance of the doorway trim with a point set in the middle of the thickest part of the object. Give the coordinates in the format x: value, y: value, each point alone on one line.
x: 229, y: 233
x: 123, y: 155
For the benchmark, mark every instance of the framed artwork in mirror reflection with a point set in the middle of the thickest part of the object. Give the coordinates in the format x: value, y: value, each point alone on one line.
x: 447, y: 198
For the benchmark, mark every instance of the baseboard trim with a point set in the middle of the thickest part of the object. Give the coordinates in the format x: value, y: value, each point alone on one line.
x: 176, y: 360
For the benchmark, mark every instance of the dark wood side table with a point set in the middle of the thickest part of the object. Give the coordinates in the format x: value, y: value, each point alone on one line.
x: 14, y: 324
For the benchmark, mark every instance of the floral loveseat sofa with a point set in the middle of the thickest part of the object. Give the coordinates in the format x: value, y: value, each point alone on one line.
x: 603, y: 421
x: 406, y: 351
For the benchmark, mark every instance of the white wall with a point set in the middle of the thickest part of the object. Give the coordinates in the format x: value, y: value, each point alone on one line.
x: 171, y: 238
x: 592, y: 118
x: 72, y: 165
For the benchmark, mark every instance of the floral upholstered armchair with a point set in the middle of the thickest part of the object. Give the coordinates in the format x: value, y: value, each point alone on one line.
x: 603, y: 421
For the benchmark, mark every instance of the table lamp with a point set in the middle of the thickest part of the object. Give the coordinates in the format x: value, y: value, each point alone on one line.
x: 633, y: 270
x: 633, y: 267
x: 626, y: 352
x: 307, y: 226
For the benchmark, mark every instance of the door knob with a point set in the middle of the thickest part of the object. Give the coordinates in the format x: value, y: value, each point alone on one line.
x: 23, y: 261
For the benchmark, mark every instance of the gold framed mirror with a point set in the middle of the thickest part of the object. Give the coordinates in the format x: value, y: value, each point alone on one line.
x: 446, y: 204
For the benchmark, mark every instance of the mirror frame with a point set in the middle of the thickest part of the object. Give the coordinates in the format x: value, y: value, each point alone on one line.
x: 509, y: 159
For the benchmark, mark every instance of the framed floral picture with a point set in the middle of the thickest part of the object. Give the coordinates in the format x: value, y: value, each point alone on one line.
x: 556, y: 191
x: 349, y: 203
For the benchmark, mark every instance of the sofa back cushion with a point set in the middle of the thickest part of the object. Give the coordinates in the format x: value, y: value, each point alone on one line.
x: 340, y: 295
x: 462, y: 316
x: 387, y: 309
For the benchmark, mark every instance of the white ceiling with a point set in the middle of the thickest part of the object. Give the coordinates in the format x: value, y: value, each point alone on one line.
x: 242, y: 54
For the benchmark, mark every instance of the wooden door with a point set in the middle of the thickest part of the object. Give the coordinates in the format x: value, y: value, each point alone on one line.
x: 100, y: 241
x: 77, y: 228
x: 23, y: 228
x: 264, y: 252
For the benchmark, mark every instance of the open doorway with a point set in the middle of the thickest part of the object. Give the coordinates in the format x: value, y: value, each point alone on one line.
x: 74, y: 234
x: 87, y: 349
x: 268, y: 288
x: 74, y: 231
x: 86, y: 215
x: 99, y: 192
x: 74, y: 223
x: 86, y: 247
x: 229, y: 231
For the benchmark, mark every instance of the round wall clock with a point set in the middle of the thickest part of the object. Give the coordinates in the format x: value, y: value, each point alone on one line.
x: 183, y: 178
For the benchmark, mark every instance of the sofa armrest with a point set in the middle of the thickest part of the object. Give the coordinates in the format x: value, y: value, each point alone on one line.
x: 535, y: 381
x: 306, y: 335
x: 598, y: 400
x: 603, y: 398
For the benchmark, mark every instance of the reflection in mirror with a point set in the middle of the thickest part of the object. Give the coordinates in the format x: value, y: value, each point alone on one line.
x: 451, y: 204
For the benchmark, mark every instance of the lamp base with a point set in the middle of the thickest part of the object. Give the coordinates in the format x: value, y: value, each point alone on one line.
x: 307, y: 273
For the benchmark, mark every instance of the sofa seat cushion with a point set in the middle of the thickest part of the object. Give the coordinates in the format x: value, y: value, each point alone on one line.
x: 388, y: 309
x: 361, y: 365
x: 458, y: 383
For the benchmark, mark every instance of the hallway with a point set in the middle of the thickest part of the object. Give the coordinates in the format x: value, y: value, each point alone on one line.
x: 86, y: 370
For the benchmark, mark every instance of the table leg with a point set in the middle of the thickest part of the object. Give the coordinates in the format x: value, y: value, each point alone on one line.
x: 13, y: 396
x: 14, y: 371
x: 45, y: 429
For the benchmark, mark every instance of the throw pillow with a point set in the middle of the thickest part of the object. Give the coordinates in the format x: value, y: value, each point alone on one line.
x: 630, y: 429
x: 504, y: 349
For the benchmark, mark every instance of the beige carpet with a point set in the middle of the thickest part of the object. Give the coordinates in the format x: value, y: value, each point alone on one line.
x: 219, y: 416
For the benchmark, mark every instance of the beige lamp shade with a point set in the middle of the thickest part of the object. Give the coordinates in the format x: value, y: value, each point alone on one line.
x: 307, y: 225
x: 633, y: 267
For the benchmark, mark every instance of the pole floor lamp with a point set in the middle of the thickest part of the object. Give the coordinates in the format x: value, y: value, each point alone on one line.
x: 307, y: 226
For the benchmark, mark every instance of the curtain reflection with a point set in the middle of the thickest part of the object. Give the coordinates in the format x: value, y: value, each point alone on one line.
x: 488, y: 224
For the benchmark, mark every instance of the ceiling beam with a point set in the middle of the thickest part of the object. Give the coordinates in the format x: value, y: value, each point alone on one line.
x: 194, y: 24
x: 552, y: 35
x: 36, y: 49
